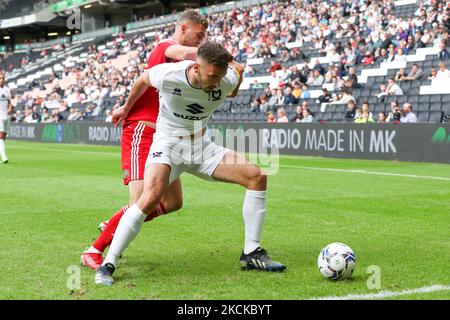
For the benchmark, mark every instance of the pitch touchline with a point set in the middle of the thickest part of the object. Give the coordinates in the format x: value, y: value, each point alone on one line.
x: 387, y: 294
x: 368, y: 172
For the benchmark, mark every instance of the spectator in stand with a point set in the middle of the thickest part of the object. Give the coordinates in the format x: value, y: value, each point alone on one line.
x: 274, y: 81
x: 408, y: 116
x: 318, y: 66
x: 264, y: 106
x: 325, y: 97
x: 353, y: 78
x: 392, y: 89
x: 282, y: 117
x: 255, y: 105
x: 358, y: 115
x: 395, y: 114
x: 305, y: 92
x: 317, y: 79
x: 256, y: 85
x: 382, y: 117
x: 73, y: 115
x: 344, y: 98
x: 270, y: 118
x: 351, y: 109
x: 56, y: 117
x: 443, y: 73
x: 45, y: 116
x: 273, y: 101
x: 365, y: 107
x: 274, y: 66
x: 400, y: 56
x: 307, y: 116
x: 415, y: 74
x: 401, y: 74
x: 108, y: 116
x: 298, y: 114
x: 433, y: 74
x: 297, y: 90
x: 368, y: 59
x: 363, y: 117
x: 391, y: 54
x: 418, y: 43
x: 295, y: 75
x: 289, y: 98
x: 249, y: 72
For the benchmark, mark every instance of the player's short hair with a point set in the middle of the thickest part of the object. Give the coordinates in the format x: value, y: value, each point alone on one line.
x: 214, y: 53
x: 193, y: 16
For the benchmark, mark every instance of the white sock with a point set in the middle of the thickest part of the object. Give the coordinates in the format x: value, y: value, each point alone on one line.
x: 127, y: 230
x: 254, y: 210
x: 2, y: 149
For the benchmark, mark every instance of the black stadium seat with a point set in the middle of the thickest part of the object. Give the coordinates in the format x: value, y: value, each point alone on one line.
x: 435, y: 106
x: 422, y: 107
x: 424, y: 99
x: 422, y: 116
x: 435, y: 98
x: 435, y: 116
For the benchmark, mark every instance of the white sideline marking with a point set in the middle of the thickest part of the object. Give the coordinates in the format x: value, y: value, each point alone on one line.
x: 386, y: 294
x: 368, y: 172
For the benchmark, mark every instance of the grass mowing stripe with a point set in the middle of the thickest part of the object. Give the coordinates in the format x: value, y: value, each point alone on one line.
x: 387, y: 294
x: 65, y: 150
x: 392, y: 174
x: 281, y: 166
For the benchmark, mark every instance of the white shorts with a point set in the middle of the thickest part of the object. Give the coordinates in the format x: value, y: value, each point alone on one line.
x: 199, y: 157
x: 4, y: 125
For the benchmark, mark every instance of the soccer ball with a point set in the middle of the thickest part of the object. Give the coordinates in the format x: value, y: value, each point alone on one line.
x: 337, y: 261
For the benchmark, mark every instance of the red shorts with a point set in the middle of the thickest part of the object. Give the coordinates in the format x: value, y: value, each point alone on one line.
x: 136, y: 141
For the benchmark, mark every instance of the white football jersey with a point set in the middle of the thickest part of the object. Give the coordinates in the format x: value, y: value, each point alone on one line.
x: 183, y: 109
x: 5, y: 96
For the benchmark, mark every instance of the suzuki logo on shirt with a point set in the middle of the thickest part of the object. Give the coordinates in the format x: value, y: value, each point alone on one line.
x: 195, y: 108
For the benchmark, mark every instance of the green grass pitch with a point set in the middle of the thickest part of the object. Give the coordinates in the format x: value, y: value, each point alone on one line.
x: 53, y: 197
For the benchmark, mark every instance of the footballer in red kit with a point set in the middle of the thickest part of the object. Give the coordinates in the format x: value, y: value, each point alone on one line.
x: 137, y: 130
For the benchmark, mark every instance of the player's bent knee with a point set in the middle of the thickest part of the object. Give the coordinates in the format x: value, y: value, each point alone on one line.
x: 148, y: 200
x: 257, y: 181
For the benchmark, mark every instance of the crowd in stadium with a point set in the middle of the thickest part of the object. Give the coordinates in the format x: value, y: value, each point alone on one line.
x: 368, y: 32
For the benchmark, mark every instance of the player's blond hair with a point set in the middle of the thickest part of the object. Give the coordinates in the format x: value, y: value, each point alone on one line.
x: 193, y: 16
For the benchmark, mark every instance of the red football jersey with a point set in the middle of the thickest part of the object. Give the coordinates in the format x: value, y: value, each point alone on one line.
x: 146, y: 107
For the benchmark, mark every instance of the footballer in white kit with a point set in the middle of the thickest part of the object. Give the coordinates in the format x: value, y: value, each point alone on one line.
x: 5, y: 109
x: 184, y: 112
x: 190, y: 91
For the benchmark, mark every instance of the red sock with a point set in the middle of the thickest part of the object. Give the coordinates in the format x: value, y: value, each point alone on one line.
x: 105, y: 238
x: 158, y: 211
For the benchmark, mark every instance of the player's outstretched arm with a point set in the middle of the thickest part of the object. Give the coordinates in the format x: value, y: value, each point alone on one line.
x: 140, y: 86
x: 179, y: 52
x: 239, y: 68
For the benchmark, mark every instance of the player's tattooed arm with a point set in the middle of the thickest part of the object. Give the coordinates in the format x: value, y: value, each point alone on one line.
x: 140, y: 86
x: 239, y: 68
x: 179, y: 52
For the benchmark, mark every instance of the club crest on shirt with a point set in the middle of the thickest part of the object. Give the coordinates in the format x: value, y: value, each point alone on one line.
x: 125, y: 174
x: 216, y: 95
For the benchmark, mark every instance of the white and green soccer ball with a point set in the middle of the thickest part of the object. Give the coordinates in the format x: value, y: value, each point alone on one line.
x: 337, y: 261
